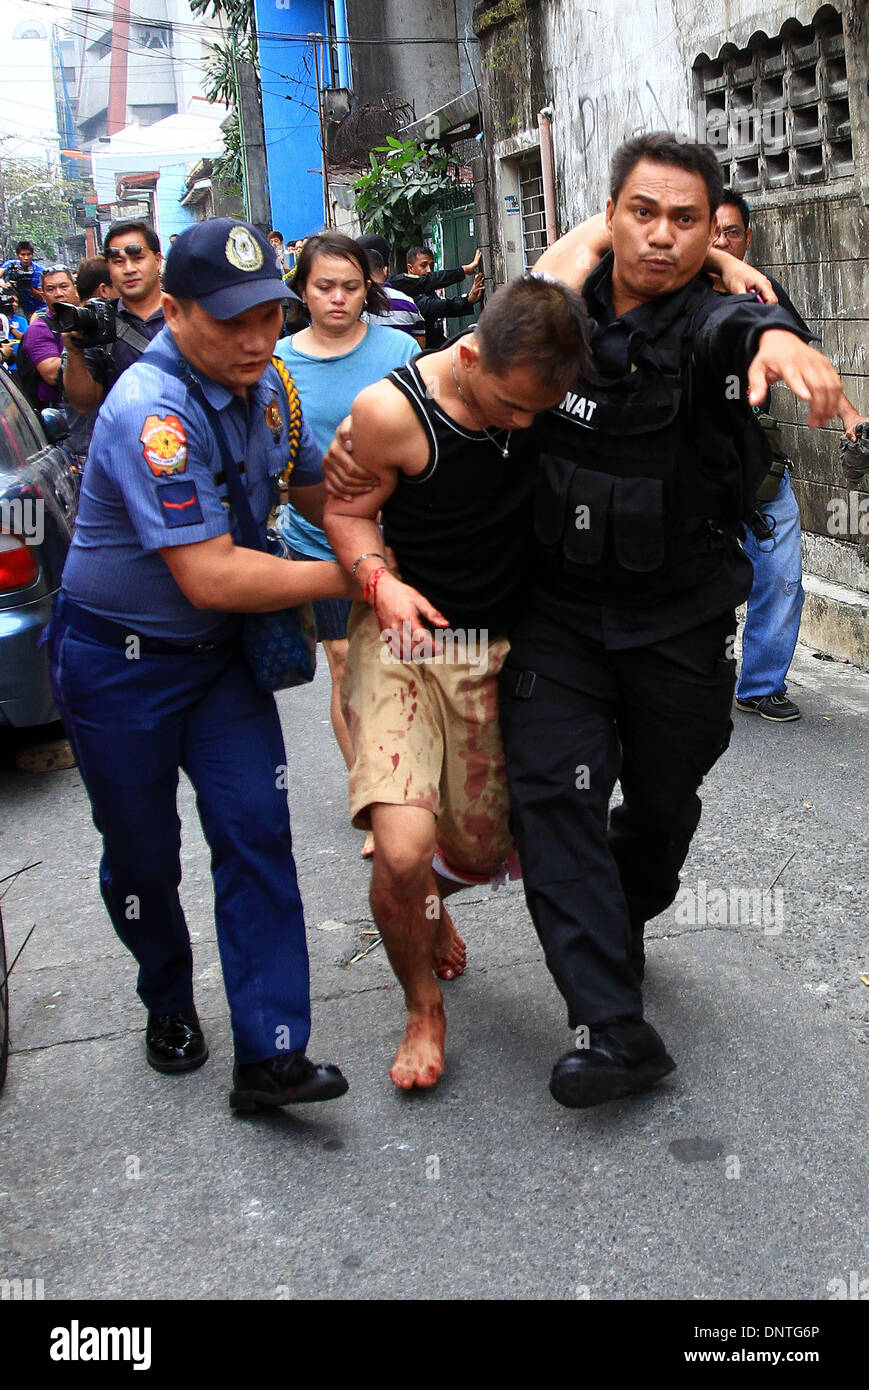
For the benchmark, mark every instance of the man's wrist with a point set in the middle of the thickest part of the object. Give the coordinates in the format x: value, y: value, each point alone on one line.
x: 366, y: 555
x: 365, y: 568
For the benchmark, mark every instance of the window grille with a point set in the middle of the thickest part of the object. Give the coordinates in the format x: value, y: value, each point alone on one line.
x: 533, y: 215
x: 777, y: 115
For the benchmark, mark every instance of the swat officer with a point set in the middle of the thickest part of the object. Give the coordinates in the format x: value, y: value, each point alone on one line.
x: 622, y: 666
x: 148, y: 671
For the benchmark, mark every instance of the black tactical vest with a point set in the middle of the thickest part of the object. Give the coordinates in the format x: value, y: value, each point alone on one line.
x: 641, y: 481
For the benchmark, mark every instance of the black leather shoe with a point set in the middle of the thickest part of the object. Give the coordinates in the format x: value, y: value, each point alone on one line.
x: 174, y: 1042
x: 288, y: 1079
x: 624, y: 1055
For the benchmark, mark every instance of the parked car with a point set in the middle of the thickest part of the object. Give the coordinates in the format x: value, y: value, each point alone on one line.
x: 38, y: 499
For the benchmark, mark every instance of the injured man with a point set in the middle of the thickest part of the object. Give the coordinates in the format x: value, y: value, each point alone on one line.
x: 448, y: 444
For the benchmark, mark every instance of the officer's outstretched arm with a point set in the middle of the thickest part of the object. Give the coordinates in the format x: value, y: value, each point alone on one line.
x: 217, y: 574
x: 782, y: 356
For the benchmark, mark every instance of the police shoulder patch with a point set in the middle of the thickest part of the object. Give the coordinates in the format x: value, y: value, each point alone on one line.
x: 164, y: 445
x: 179, y: 503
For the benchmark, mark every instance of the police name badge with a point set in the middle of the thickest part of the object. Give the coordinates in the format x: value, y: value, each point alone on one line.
x: 164, y: 445
x: 242, y: 251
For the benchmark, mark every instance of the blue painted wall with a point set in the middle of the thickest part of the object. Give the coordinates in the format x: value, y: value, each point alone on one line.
x: 171, y: 188
x: 289, y: 93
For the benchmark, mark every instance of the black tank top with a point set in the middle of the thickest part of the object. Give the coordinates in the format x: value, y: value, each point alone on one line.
x: 461, y: 528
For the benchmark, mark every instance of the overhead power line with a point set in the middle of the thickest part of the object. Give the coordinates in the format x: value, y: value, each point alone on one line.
x: 272, y: 35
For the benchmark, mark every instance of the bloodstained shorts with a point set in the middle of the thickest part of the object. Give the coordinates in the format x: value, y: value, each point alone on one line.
x: 425, y: 733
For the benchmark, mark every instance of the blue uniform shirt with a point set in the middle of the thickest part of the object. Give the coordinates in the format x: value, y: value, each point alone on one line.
x: 154, y: 478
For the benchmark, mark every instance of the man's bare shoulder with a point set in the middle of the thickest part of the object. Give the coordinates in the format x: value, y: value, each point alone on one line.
x: 383, y: 403
x: 384, y: 421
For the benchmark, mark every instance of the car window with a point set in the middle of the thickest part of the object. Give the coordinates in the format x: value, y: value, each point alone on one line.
x: 20, y: 434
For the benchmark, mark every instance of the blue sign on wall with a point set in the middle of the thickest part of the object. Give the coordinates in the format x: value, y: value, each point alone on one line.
x: 290, y: 115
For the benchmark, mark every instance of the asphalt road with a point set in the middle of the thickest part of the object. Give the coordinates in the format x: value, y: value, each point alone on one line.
x: 743, y: 1175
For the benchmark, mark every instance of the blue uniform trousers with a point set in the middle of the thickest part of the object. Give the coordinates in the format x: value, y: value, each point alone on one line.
x: 132, y: 724
x: 772, y: 620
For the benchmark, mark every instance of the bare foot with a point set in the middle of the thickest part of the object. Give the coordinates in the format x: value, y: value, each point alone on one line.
x: 419, y: 1060
x: 449, y: 957
x: 368, y: 847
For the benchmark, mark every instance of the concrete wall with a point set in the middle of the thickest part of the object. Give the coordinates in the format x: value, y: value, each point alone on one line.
x: 424, y: 74
x: 609, y: 73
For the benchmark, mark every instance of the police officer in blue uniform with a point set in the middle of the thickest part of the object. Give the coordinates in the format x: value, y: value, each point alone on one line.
x: 148, y: 671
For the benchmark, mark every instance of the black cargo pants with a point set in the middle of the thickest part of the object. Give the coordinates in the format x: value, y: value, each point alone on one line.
x: 655, y: 718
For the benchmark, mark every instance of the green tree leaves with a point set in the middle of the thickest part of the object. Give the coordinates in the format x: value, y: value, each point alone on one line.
x: 220, y: 77
x: 39, y: 204
x: 401, y: 188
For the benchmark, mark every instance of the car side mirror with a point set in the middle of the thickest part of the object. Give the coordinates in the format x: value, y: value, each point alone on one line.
x: 54, y: 424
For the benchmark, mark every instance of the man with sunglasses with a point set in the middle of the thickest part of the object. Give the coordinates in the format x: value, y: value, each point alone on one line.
x: 132, y: 250
x: 42, y: 344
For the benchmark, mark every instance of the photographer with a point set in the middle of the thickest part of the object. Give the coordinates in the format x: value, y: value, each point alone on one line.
x: 116, y: 341
x: 13, y: 326
x: 42, y: 344
x: 24, y: 276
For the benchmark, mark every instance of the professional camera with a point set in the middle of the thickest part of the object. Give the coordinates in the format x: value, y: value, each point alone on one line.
x: 19, y: 278
x: 7, y: 302
x: 93, y: 322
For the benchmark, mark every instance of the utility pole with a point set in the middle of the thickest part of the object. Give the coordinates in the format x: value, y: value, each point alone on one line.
x: 116, y: 113
x: 257, y: 204
x: 327, y: 201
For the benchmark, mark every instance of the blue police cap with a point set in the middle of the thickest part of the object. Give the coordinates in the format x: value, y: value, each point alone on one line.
x: 225, y: 266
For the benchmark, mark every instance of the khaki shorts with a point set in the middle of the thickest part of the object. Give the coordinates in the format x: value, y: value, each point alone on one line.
x: 425, y: 733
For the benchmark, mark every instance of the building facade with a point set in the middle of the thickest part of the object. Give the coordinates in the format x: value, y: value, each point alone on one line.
x: 28, y: 115
x: 343, y: 74
x: 138, y: 67
x: 779, y: 90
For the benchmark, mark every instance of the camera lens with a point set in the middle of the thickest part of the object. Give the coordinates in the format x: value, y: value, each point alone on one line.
x: 66, y: 316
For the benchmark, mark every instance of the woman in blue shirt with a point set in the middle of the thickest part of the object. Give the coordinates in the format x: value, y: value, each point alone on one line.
x: 331, y: 362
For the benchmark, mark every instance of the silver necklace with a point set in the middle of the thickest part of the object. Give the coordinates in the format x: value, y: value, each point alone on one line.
x: 503, y: 449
